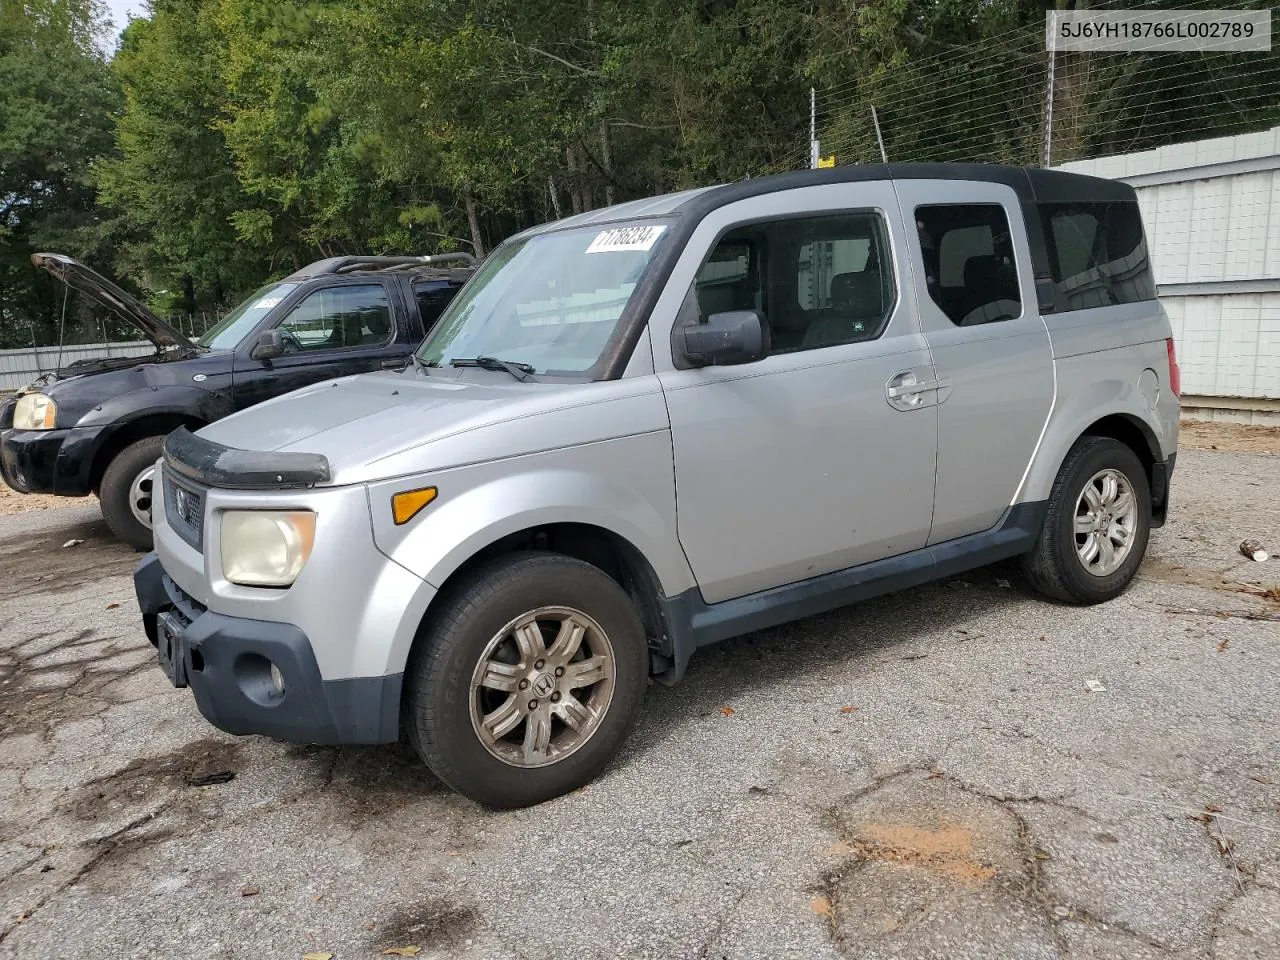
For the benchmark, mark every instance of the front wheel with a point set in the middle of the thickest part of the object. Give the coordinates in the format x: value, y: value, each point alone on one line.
x: 126, y: 491
x: 527, y: 680
x: 1096, y: 527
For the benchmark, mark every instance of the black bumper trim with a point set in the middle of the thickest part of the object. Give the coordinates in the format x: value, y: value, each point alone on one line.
x: 53, y: 462
x: 693, y: 623
x: 216, y: 465
x: 1161, y: 479
x: 227, y: 665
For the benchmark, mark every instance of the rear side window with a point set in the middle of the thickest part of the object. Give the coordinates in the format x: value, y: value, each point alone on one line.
x: 432, y: 298
x: 1097, y: 254
x: 968, y: 260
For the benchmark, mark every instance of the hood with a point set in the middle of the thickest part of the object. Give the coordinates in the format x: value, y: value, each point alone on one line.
x: 101, y: 290
x: 375, y: 425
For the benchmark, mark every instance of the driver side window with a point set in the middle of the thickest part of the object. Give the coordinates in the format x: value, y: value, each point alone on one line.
x: 341, y: 317
x: 819, y: 281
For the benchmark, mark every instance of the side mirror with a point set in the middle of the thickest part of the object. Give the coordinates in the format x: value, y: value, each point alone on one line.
x: 736, y: 336
x: 269, y: 346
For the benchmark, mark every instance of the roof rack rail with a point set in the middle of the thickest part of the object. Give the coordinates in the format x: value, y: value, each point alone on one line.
x: 341, y: 265
x: 350, y: 264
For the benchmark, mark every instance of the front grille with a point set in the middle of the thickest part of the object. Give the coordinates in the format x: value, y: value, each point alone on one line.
x: 184, y: 508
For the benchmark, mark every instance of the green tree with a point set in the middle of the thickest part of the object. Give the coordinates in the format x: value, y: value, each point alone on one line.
x: 173, y: 179
x: 55, y: 119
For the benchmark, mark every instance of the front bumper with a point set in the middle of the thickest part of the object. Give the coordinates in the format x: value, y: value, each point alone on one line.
x: 48, y: 461
x: 226, y: 661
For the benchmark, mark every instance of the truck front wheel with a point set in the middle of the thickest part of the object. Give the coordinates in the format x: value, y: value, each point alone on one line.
x: 126, y: 491
x: 527, y: 680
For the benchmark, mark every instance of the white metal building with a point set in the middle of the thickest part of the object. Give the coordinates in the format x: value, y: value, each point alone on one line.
x: 1212, y: 214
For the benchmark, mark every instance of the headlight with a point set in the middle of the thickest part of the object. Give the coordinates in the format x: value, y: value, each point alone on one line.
x: 35, y: 411
x: 266, y: 548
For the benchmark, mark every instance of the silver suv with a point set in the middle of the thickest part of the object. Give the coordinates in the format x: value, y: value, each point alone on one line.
x: 651, y: 427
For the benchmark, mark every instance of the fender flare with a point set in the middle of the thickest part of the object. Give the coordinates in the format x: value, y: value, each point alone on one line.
x: 457, y: 528
x: 1069, y: 423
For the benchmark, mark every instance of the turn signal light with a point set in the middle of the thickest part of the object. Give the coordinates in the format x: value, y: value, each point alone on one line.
x: 405, y: 506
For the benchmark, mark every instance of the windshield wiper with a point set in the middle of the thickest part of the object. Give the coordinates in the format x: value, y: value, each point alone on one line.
x: 518, y: 370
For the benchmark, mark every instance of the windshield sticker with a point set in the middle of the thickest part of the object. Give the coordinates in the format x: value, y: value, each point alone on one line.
x: 625, y: 238
x: 266, y: 303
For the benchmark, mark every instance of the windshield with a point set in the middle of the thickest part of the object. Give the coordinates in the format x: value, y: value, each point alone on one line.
x: 231, y: 329
x: 551, y: 301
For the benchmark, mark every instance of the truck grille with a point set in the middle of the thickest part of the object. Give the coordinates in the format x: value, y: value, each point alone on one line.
x: 184, y: 508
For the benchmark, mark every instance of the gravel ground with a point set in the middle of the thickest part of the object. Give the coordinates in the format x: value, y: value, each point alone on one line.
x: 12, y: 502
x: 925, y: 775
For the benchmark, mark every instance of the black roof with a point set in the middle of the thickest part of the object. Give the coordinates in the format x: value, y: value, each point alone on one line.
x: 1031, y: 184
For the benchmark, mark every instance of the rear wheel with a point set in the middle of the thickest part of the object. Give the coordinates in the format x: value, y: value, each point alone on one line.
x: 528, y: 680
x: 126, y: 491
x: 1096, y: 527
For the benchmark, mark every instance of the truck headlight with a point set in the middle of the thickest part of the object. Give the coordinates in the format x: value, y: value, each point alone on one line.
x: 266, y: 548
x: 35, y: 411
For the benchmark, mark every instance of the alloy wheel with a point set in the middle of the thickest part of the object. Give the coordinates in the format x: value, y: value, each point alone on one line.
x: 1106, y: 520
x: 542, y: 686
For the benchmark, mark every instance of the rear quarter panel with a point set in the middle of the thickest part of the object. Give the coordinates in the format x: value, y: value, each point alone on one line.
x: 1108, y: 361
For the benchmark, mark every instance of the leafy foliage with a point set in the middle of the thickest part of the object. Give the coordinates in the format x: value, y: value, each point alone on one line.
x: 229, y: 141
x: 55, y: 118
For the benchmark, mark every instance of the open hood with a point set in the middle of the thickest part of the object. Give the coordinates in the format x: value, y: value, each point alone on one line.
x: 97, y: 287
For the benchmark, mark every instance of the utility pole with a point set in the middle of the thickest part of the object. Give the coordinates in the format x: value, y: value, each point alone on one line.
x: 813, y: 130
x: 1048, y: 95
x: 884, y: 156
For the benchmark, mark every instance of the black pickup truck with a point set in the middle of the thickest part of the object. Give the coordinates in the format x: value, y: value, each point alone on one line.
x: 96, y: 426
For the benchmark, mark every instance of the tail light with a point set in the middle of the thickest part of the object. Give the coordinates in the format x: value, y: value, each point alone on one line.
x: 1175, y: 374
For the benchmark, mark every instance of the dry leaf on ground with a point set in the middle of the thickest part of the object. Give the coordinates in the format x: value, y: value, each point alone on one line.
x: 401, y: 951
x: 1222, y: 646
x: 317, y: 956
x: 727, y: 711
x: 821, y: 906
x: 848, y: 709
x: 250, y: 891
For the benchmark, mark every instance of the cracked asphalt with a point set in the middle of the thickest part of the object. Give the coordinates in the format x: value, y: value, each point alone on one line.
x: 925, y: 775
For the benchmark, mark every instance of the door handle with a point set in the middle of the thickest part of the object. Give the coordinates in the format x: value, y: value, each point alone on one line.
x: 910, y: 389
x: 906, y: 392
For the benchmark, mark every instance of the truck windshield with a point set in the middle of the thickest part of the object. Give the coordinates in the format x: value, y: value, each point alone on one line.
x: 231, y: 329
x: 550, y: 302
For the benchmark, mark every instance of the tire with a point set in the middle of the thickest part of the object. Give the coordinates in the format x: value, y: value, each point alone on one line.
x: 117, y: 491
x: 445, y: 709
x: 1056, y: 567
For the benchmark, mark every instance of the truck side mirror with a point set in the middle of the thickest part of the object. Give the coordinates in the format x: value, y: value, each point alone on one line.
x: 270, y: 345
x: 735, y: 336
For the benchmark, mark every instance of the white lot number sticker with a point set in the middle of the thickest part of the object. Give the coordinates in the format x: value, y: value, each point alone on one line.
x: 625, y: 238
x: 266, y: 303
